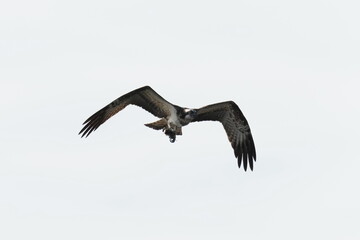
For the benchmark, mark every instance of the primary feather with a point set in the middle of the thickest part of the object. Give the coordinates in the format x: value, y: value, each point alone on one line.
x: 236, y: 127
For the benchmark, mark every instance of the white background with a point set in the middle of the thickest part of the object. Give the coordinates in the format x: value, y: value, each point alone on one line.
x: 293, y: 67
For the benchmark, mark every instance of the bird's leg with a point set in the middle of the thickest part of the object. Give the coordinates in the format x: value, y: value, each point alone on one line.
x: 171, y: 134
x: 172, y: 137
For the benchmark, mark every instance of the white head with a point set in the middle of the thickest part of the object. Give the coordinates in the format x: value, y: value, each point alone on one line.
x: 190, y: 114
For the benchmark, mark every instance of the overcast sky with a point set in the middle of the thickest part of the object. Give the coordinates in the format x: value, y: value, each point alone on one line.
x: 293, y: 67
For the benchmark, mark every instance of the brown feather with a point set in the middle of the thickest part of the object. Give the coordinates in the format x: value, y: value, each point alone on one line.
x: 158, y: 125
x: 236, y: 127
x: 144, y: 97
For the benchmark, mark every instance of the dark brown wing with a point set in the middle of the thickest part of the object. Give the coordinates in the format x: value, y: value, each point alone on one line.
x: 144, y: 97
x: 236, y: 127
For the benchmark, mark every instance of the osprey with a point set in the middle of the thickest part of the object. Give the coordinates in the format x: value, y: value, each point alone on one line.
x: 173, y: 118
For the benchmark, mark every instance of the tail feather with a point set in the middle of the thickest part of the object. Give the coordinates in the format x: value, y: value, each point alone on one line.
x: 160, y: 124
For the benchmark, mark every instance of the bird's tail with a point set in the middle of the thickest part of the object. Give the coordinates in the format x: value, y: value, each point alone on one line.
x: 160, y: 124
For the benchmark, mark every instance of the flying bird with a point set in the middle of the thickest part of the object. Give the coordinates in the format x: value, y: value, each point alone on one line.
x: 173, y: 118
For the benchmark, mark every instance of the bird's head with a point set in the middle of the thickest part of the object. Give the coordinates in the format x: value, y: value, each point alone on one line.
x: 189, y: 114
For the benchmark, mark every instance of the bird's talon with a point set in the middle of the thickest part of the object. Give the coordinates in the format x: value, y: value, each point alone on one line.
x: 172, y: 138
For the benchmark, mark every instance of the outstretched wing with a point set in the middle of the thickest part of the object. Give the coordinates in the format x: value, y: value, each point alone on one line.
x: 236, y: 127
x: 144, y: 97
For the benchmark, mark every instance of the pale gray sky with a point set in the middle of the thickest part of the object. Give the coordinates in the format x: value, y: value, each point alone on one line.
x: 293, y: 67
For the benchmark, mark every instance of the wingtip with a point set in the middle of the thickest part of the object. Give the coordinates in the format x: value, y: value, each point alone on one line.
x: 81, y: 134
x: 239, y: 162
x: 251, y: 163
x: 247, y: 161
x: 85, y: 131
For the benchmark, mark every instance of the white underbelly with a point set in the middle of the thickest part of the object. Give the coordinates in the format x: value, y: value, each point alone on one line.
x: 173, y: 119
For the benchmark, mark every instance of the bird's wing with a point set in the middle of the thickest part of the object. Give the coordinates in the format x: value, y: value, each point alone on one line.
x: 144, y: 97
x: 236, y: 127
